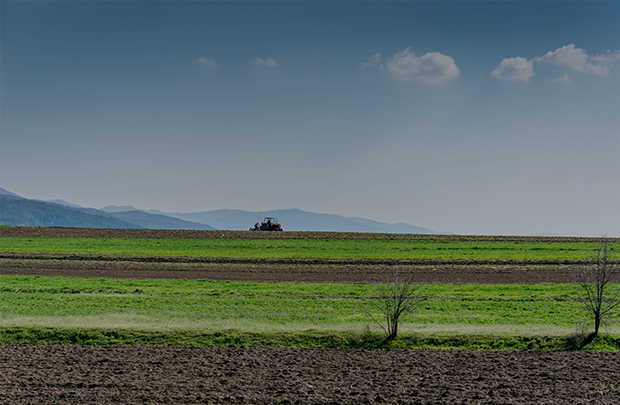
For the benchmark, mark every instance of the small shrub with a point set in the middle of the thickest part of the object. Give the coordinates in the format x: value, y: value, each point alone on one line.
x: 600, y: 293
x: 395, y: 296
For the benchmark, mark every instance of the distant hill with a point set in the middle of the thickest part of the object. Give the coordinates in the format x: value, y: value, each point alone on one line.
x: 63, y: 202
x: 18, y: 211
x: 158, y: 221
x: 15, y: 210
x: 122, y: 208
x: 7, y: 193
x: 295, y: 220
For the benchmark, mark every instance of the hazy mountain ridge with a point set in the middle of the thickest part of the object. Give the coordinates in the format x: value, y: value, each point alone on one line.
x: 292, y: 220
x: 7, y: 193
x: 63, y: 202
x: 31, y: 213
x: 18, y: 211
x: 158, y: 221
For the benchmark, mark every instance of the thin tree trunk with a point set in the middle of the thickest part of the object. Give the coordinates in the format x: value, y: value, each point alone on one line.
x: 597, y: 323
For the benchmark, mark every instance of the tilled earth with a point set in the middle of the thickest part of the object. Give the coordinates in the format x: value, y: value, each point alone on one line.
x: 246, y: 375
x: 285, y: 270
x: 39, y: 374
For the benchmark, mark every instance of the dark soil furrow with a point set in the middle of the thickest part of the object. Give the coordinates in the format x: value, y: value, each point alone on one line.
x: 31, y: 374
x: 308, y: 271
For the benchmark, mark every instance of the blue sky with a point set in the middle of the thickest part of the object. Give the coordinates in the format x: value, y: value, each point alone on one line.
x: 466, y: 117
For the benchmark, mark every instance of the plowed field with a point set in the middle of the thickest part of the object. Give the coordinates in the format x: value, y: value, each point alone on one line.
x: 284, y: 270
x: 31, y: 374
x: 238, y: 375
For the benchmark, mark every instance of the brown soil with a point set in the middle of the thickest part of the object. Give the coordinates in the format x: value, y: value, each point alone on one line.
x: 33, y: 374
x: 284, y: 270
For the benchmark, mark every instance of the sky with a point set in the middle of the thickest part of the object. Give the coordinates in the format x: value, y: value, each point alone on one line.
x: 463, y: 117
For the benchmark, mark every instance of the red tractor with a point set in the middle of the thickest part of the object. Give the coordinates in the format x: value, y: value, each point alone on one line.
x: 268, y: 224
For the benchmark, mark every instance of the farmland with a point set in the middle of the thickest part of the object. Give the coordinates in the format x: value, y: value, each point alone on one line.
x: 307, y: 294
x: 333, y: 247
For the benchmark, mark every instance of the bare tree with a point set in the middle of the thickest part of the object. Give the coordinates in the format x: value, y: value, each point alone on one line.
x: 395, y: 296
x: 597, y: 280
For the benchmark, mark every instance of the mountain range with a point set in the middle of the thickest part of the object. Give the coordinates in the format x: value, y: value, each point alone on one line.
x: 291, y: 220
x: 18, y: 211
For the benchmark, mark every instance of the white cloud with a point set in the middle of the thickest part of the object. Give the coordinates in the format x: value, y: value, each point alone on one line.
x: 269, y: 62
x: 577, y: 59
x: 563, y: 79
x: 567, y: 56
x: 207, y: 62
x: 431, y: 68
x: 374, y: 60
x: 516, y: 69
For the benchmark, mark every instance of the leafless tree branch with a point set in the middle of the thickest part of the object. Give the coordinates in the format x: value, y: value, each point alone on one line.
x: 395, y: 296
x: 597, y: 280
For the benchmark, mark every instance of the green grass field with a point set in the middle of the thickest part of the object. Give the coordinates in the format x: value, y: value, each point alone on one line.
x: 306, y: 248
x: 215, y: 305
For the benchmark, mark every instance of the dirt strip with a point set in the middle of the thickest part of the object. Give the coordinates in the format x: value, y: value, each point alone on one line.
x: 31, y: 374
x: 285, y: 270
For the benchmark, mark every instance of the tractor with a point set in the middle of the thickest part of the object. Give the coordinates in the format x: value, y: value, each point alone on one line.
x: 268, y: 224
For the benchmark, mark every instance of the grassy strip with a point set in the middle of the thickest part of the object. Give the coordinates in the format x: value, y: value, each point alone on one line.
x: 77, y: 336
x: 207, y: 304
x: 306, y: 248
x: 75, y: 285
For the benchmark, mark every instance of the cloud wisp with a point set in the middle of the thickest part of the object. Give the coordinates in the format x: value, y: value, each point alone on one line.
x: 373, y: 61
x: 567, y: 57
x: 268, y: 62
x: 563, y: 79
x: 430, y: 68
x: 207, y: 62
